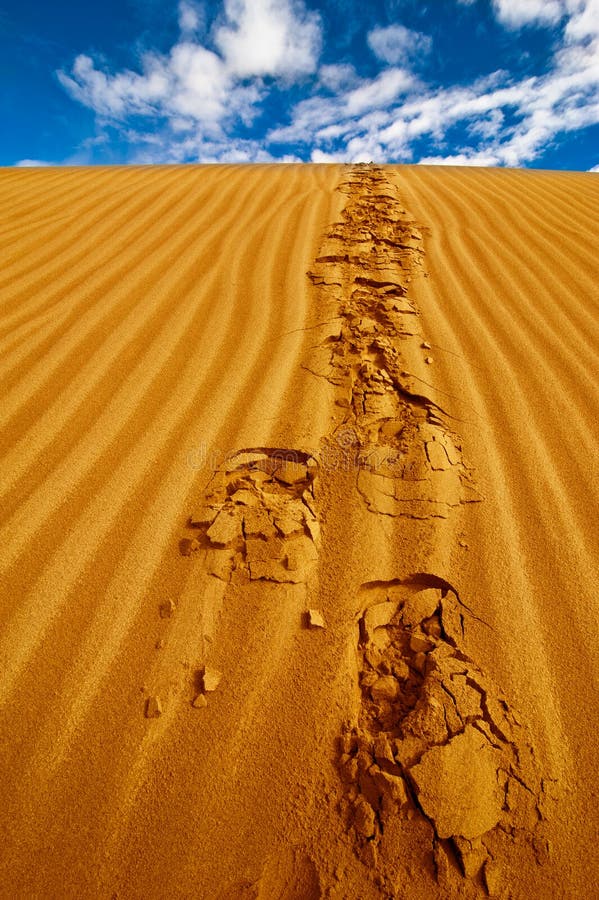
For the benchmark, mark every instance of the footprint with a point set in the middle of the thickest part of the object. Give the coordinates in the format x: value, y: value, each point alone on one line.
x: 257, y: 517
x: 435, y: 742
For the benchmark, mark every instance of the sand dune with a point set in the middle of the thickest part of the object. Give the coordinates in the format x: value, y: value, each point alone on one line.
x: 233, y: 394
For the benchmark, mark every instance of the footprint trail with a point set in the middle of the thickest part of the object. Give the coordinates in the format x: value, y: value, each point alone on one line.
x: 433, y: 766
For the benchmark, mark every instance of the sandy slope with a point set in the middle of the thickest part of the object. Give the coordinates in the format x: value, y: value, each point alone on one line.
x: 157, y: 321
x: 512, y: 304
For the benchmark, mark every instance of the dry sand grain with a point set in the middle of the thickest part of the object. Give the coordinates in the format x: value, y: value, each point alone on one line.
x: 299, y: 478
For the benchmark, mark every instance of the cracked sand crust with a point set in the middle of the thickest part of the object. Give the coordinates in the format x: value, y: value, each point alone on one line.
x: 257, y: 517
x: 435, y: 739
x: 408, y: 462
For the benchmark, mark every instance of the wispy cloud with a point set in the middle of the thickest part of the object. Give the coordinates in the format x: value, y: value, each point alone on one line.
x: 518, y: 13
x: 32, y: 163
x: 191, y: 18
x: 397, y: 44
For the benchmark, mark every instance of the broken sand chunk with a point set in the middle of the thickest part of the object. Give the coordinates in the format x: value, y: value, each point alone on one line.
x: 364, y: 818
x: 437, y: 456
x: 382, y: 749
x: 200, y: 702
x: 367, y: 325
x: 189, y: 546
x: 258, y: 477
x: 453, y: 452
x: 419, y: 606
x: 203, y: 517
x: 309, y: 502
x: 211, y: 679
x: 492, y: 876
x: 425, y: 345
x: 385, y: 688
x: 428, y: 360
x: 220, y: 563
x: 153, y: 708
x: 167, y: 609
x: 432, y: 627
x: 378, y: 616
x: 258, y: 550
x: 313, y: 526
x: 472, y: 855
x: 290, y: 472
x: 467, y: 698
x: 272, y: 570
x: 316, y: 619
x: 301, y: 552
x: 420, y: 643
x: 287, y: 525
x: 225, y: 529
x: 395, y: 786
x: 419, y: 661
x: 246, y: 498
x: 242, y: 460
x: 452, y: 621
x: 457, y: 785
x: 257, y: 522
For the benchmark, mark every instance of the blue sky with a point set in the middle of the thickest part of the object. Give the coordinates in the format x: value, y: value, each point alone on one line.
x: 477, y: 82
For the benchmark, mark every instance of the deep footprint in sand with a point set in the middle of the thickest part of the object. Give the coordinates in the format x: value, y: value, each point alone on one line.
x: 257, y: 517
x: 435, y: 743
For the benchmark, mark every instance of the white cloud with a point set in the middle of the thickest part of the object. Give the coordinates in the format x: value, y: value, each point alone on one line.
x: 279, y: 38
x: 198, y: 83
x: 32, y: 163
x: 595, y: 168
x: 489, y: 125
x: 460, y: 159
x: 159, y: 147
x: 116, y: 95
x: 397, y: 44
x: 379, y: 92
x: 326, y: 117
x: 338, y: 77
x: 319, y: 156
x: 583, y: 19
x: 190, y: 85
x: 518, y: 13
x: 191, y: 18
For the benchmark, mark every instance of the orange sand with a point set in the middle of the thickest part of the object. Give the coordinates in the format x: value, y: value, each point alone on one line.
x: 218, y: 415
